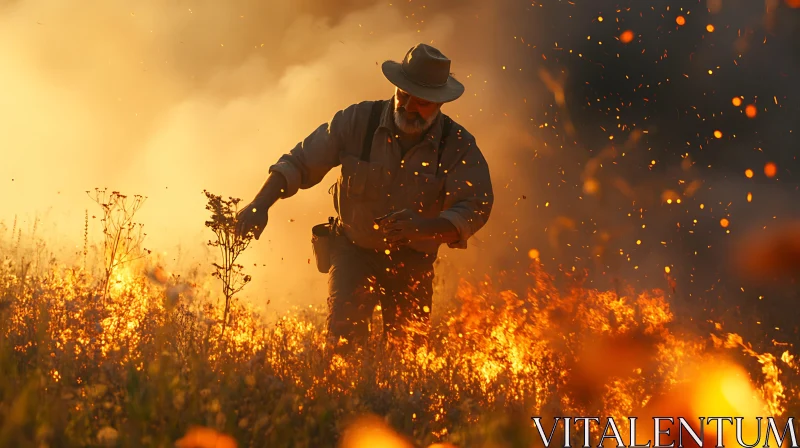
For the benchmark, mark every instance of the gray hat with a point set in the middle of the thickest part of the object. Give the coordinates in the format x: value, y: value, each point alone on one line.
x: 424, y: 73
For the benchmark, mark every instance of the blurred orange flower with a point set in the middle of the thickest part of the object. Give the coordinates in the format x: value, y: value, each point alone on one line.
x: 201, y: 437
x: 713, y: 386
x: 371, y: 431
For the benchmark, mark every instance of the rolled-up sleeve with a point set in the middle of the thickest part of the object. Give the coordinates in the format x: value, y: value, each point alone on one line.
x: 468, y: 195
x: 307, y: 163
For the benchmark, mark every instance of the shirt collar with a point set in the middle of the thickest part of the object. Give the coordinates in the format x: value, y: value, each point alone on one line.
x: 432, y: 137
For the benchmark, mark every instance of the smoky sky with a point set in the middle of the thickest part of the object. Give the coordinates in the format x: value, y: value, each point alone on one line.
x: 170, y: 98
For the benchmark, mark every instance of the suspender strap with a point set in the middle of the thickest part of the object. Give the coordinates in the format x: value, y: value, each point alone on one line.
x: 446, y: 127
x: 372, y: 126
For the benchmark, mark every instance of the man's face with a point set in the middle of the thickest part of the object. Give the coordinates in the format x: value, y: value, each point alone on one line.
x: 413, y: 115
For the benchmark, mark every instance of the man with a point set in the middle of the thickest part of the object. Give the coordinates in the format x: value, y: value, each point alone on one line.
x: 412, y: 179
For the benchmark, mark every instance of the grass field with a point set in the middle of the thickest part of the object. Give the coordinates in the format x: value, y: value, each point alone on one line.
x: 143, y: 362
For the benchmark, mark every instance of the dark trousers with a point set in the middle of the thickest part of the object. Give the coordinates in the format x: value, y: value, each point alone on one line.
x: 359, y: 279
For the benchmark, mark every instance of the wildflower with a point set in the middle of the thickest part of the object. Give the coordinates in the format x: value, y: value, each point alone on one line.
x: 179, y: 399
x: 107, y: 436
x: 220, y: 419
x: 98, y: 390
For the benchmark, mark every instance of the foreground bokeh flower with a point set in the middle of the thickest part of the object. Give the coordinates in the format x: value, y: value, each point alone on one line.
x: 202, y: 437
x: 763, y: 255
x: 372, y: 432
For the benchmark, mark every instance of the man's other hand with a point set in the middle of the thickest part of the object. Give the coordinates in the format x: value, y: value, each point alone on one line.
x: 407, y: 226
x: 403, y: 227
x: 252, y: 218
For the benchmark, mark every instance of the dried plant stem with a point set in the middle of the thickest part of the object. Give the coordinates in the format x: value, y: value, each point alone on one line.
x: 231, y: 245
x: 122, y: 236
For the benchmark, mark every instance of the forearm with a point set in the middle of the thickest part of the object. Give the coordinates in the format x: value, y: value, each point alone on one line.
x: 467, y: 217
x: 274, y: 188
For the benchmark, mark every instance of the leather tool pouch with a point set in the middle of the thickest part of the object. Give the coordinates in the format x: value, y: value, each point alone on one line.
x: 322, y: 236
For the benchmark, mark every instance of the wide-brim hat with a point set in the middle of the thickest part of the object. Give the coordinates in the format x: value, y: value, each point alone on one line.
x: 424, y: 73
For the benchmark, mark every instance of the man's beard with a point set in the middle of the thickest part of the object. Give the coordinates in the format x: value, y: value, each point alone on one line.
x: 413, y: 125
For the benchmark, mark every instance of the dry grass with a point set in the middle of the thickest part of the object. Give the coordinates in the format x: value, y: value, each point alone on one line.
x: 151, y: 362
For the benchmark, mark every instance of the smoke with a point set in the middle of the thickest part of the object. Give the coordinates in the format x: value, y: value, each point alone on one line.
x: 165, y: 100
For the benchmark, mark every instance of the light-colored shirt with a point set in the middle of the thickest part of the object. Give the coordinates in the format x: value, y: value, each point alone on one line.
x: 460, y: 190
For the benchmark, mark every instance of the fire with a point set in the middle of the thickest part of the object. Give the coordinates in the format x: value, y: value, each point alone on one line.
x: 680, y: 20
x: 499, y: 348
x: 750, y: 111
x: 737, y: 101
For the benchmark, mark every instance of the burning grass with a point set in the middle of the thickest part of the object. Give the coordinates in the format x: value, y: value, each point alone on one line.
x: 151, y: 362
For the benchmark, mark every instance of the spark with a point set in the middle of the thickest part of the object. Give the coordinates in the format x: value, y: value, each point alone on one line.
x: 770, y: 169
x: 626, y: 37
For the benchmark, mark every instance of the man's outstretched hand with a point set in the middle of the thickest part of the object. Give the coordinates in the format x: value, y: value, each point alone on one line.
x: 252, y: 218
